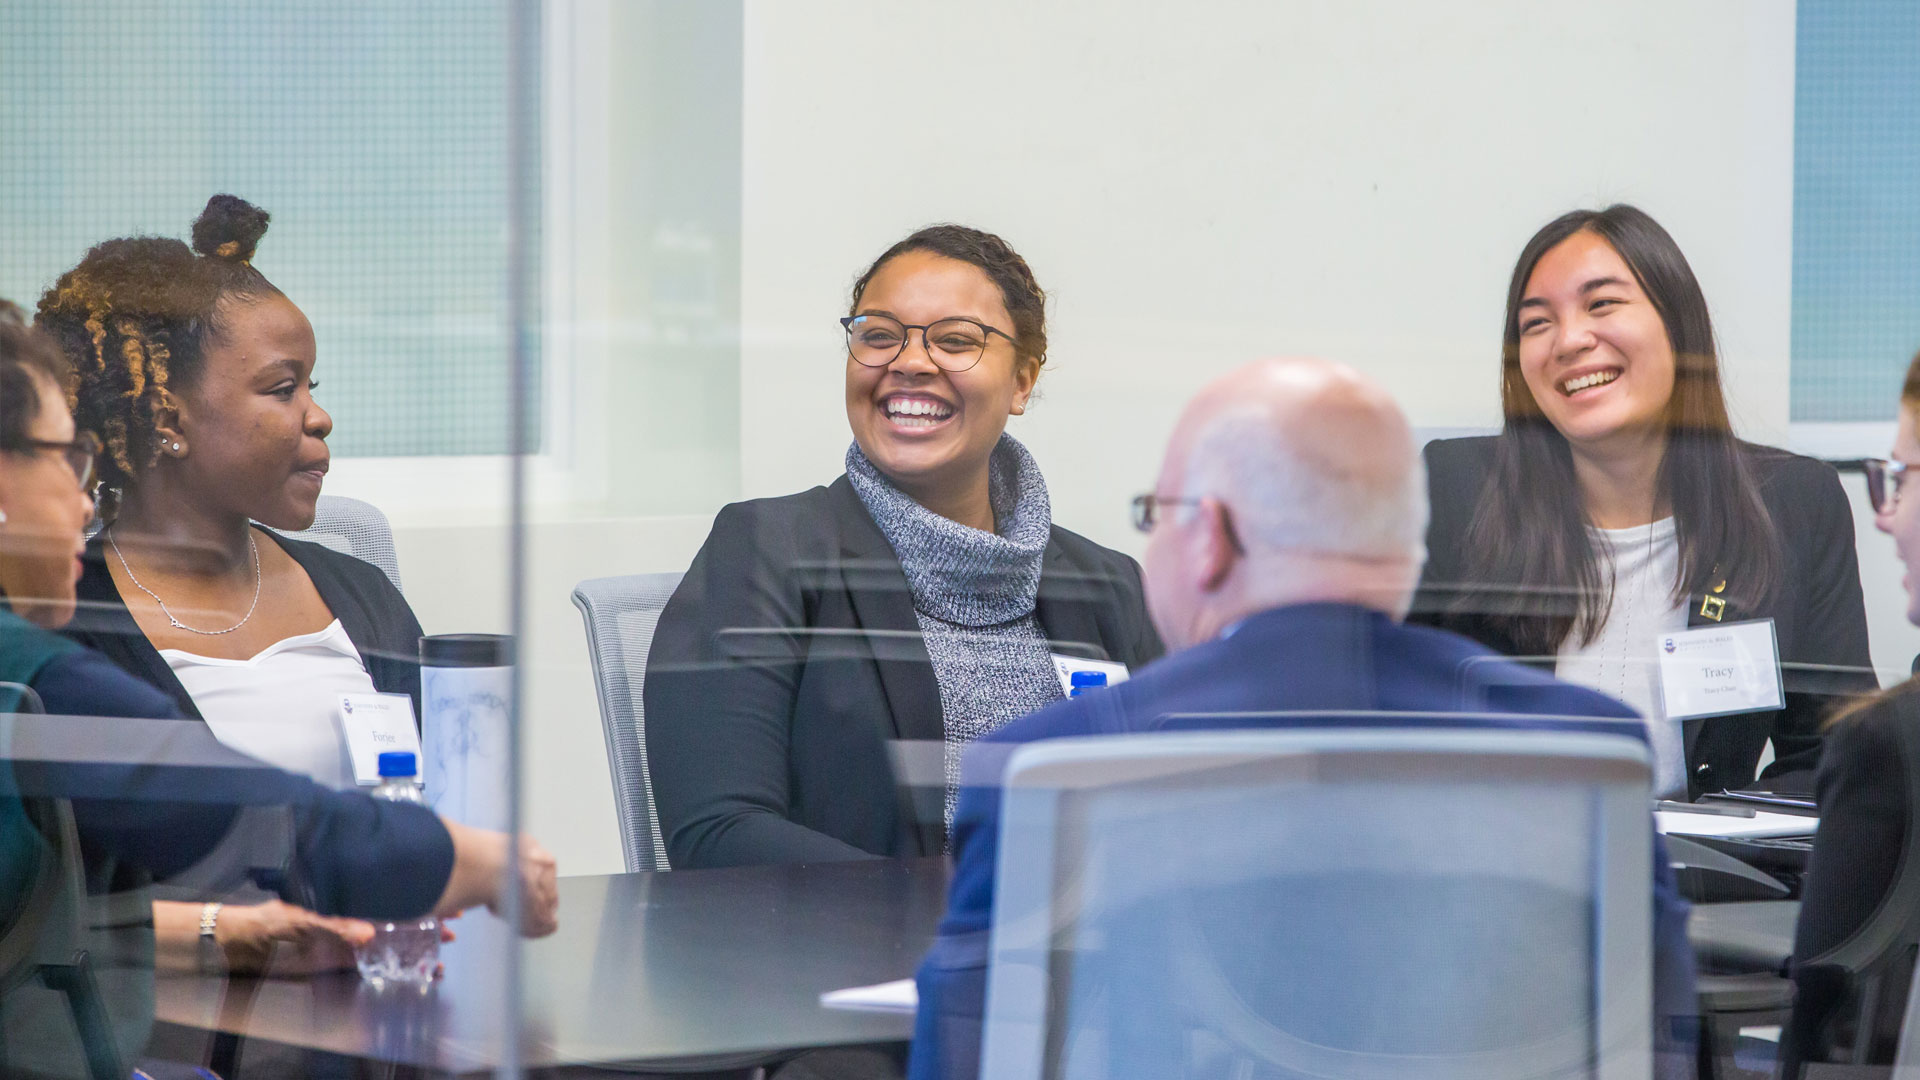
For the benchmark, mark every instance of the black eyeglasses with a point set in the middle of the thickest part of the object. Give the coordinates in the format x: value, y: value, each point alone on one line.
x: 1884, y: 477
x: 80, y: 454
x: 1146, y: 508
x: 952, y: 344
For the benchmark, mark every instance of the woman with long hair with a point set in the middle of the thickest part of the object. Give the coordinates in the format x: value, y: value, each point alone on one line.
x: 1617, y: 508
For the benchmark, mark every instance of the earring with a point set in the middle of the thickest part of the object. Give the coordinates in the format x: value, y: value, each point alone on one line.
x: 176, y: 448
x: 1019, y: 409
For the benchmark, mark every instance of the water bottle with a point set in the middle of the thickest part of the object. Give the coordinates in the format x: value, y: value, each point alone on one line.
x: 1083, y: 681
x: 402, y: 953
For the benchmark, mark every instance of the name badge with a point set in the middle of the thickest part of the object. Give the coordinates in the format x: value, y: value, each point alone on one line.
x: 375, y: 724
x: 1065, y: 666
x: 1717, y: 670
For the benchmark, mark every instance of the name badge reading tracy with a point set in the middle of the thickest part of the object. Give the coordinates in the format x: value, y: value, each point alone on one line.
x: 1718, y: 670
x: 373, y: 725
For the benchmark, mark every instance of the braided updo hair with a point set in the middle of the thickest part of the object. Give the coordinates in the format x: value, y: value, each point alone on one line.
x: 1025, y: 300
x: 134, y: 319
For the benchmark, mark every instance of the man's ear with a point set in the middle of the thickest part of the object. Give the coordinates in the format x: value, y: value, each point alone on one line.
x: 1215, y: 548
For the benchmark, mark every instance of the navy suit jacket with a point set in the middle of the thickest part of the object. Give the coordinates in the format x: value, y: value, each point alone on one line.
x: 1316, y: 657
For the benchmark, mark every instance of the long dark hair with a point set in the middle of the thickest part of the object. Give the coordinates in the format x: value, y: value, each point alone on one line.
x: 1530, y: 562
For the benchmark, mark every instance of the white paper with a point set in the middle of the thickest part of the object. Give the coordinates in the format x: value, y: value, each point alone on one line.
x: 900, y: 996
x: 1761, y: 825
x: 1065, y: 666
x: 375, y: 724
x: 1719, y: 670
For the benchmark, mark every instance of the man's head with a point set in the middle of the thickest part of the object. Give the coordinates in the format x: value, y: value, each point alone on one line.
x: 1286, y: 482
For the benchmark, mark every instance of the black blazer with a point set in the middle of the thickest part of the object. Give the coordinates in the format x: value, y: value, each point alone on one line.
x: 1863, y: 786
x: 1818, y: 615
x: 790, y: 655
x: 372, y: 612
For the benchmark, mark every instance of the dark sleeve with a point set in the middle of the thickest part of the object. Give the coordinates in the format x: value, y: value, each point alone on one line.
x: 355, y: 856
x: 722, y: 677
x: 1449, y: 508
x: 1828, y: 660
x: 1146, y: 646
x: 1862, y: 790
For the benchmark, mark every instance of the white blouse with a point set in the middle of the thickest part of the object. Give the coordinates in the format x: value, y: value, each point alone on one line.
x: 279, y: 705
x: 1622, y: 661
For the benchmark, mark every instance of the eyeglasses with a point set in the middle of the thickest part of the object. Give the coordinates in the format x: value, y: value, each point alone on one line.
x: 80, y: 454
x: 1884, y: 477
x: 952, y: 344
x: 1146, y: 508
x: 1146, y: 514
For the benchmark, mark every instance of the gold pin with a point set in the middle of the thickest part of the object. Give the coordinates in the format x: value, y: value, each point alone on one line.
x: 1712, y: 606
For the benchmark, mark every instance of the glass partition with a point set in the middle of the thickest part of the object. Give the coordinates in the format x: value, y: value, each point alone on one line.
x: 718, y: 439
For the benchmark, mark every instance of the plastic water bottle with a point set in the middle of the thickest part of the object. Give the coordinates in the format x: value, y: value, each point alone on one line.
x: 1083, y: 681
x: 405, y: 952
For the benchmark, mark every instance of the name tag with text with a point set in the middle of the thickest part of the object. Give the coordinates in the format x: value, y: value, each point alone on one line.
x: 1718, y: 670
x: 375, y: 724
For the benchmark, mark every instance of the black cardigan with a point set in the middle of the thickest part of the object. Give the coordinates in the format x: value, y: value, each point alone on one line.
x: 1818, y: 614
x: 790, y: 656
x: 372, y: 612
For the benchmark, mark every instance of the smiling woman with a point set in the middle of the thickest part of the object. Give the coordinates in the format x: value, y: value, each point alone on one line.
x: 199, y: 373
x: 921, y: 597
x: 1617, y: 508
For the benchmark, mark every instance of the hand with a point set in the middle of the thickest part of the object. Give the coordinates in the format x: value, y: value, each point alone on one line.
x: 539, y: 890
x: 281, y: 939
x: 480, y: 865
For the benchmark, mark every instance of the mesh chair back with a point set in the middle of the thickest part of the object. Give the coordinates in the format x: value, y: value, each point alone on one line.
x: 1363, y: 904
x: 354, y: 528
x: 621, y: 613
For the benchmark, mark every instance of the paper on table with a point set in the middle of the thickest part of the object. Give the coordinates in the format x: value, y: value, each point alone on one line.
x: 1759, y: 826
x: 890, y: 997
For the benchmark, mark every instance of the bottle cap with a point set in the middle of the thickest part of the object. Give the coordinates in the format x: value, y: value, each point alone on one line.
x: 1087, y: 678
x: 397, y: 763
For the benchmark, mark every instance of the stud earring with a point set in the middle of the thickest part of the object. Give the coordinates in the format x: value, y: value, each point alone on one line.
x: 176, y: 448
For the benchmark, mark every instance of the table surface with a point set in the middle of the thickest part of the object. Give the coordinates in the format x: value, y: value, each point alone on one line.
x: 644, y: 968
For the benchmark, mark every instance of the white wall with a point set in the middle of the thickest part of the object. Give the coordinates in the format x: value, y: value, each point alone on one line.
x: 1196, y: 184
x: 1199, y: 184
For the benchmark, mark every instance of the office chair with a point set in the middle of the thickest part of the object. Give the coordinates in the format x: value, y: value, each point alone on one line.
x: 355, y: 528
x: 620, y: 614
x: 44, y: 957
x: 1369, y: 904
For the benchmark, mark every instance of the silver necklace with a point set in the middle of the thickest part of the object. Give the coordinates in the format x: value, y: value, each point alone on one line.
x: 252, y: 547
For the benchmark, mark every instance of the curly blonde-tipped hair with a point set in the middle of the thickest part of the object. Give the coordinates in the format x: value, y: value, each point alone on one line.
x: 133, y: 320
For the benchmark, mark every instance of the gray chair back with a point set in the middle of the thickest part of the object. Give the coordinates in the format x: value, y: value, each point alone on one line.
x: 1368, y: 904
x: 621, y: 613
x: 354, y: 528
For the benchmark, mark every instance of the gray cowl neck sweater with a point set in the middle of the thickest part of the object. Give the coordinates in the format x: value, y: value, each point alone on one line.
x: 974, y: 594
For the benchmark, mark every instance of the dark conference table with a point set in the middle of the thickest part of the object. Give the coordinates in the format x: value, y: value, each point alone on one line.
x: 644, y: 968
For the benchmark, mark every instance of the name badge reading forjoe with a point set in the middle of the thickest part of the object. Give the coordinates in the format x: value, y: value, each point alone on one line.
x: 1065, y: 666
x: 373, y: 725
x: 1717, y: 670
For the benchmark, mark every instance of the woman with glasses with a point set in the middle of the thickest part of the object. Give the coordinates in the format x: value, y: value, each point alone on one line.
x: 1616, y: 511
x: 1866, y: 785
x: 199, y: 374
x: 925, y: 596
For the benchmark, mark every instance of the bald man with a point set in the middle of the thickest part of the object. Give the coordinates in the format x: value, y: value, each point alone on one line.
x: 1285, y: 543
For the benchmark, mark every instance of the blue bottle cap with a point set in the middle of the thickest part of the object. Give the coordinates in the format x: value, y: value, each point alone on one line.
x: 397, y: 763
x: 1082, y: 679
